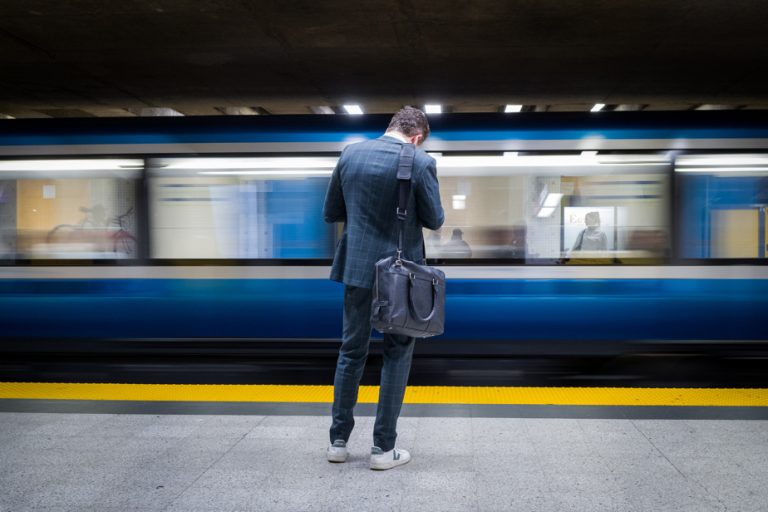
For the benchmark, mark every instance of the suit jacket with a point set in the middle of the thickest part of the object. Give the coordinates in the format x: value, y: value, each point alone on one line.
x: 363, y: 194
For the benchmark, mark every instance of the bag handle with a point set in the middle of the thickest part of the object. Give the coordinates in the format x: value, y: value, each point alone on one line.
x: 404, y: 170
x: 415, y: 313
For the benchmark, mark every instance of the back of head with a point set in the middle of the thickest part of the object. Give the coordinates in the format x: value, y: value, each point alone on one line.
x: 410, y: 122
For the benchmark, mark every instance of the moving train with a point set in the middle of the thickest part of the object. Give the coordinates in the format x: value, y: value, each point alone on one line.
x: 561, y: 229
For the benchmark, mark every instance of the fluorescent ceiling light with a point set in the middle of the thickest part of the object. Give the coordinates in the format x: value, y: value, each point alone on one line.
x: 746, y: 163
x: 286, y: 172
x: 433, y: 108
x: 353, y: 109
x: 545, y: 161
x: 513, y: 108
x: 597, y: 107
x: 552, y: 200
x: 715, y: 170
x: 545, y: 212
x: 323, y: 109
x: 510, y: 154
x: 708, y: 106
x: 589, y: 154
x: 110, y: 164
x: 634, y: 159
x: 721, y: 160
x: 206, y: 164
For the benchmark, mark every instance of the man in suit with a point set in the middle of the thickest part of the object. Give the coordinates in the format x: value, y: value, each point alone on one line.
x: 363, y: 193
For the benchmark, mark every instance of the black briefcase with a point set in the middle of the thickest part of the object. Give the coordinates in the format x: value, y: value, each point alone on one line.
x: 408, y: 298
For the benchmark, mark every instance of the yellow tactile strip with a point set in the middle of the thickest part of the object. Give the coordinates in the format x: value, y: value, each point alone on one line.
x: 369, y: 394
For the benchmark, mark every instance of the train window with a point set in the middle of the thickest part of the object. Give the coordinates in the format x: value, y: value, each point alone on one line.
x: 538, y: 208
x: 68, y: 208
x: 240, y: 207
x: 723, y: 202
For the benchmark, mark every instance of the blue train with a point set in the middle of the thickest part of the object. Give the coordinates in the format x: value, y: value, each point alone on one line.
x: 560, y: 229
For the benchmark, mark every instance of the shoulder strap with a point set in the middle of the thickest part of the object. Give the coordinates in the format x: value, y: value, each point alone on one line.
x: 404, y: 171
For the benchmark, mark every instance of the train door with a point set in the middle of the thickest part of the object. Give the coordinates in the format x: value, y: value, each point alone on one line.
x: 738, y: 233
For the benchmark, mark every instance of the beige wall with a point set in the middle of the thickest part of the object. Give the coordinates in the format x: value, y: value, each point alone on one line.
x: 735, y: 233
x: 492, y: 201
x: 34, y: 212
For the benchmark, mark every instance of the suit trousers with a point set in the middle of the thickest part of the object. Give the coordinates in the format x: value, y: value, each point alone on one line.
x: 398, y: 353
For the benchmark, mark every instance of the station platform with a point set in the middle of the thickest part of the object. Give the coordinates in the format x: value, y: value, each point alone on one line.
x: 183, y: 448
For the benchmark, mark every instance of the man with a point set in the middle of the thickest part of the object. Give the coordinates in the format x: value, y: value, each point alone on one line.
x: 457, y: 247
x: 363, y: 194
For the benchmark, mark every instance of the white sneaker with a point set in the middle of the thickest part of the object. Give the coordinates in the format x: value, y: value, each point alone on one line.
x: 388, y: 460
x: 337, y: 452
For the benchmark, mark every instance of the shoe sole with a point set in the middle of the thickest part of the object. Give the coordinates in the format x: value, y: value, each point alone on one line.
x: 389, y: 466
x: 336, y: 458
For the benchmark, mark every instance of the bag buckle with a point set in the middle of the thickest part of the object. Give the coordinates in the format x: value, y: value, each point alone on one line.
x: 401, y: 214
x: 398, y: 258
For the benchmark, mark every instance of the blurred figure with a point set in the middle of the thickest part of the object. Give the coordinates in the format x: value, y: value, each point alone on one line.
x: 457, y: 247
x: 591, y: 238
x: 434, y: 244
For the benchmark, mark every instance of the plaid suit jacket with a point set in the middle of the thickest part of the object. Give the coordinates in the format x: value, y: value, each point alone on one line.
x: 362, y: 193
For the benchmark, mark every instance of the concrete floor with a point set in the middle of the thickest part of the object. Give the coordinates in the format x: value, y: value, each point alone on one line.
x: 80, y: 462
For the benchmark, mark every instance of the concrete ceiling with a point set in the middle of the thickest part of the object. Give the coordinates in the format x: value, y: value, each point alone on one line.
x: 156, y: 57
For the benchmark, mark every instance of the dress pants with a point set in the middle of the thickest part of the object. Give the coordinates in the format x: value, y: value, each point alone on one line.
x: 398, y: 352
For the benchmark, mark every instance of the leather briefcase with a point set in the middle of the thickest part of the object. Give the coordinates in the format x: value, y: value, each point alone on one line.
x: 408, y: 298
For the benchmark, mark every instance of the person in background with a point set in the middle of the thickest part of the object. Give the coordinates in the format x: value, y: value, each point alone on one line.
x: 591, y: 238
x: 434, y: 245
x: 362, y: 194
x: 457, y: 247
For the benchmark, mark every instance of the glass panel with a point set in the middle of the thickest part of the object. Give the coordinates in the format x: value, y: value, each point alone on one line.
x: 526, y: 207
x: 68, y: 209
x: 260, y: 207
x: 553, y: 207
x: 722, y: 199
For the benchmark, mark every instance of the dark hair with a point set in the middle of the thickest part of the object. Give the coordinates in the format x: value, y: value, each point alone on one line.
x: 410, y: 121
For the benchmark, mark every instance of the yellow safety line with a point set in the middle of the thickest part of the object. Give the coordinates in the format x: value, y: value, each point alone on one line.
x: 369, y: 394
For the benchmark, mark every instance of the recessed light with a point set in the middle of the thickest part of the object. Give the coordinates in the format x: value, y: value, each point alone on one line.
x: 355, y: 110
x: 323, y: 109
x: 552, y: 200
x: 545, y: 212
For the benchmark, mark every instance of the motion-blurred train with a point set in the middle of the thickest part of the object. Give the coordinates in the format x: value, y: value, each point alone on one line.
x: 561, y: 229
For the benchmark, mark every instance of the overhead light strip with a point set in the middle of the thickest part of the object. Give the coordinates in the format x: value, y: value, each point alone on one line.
x: 721, y: 160
x: 284, y: 172
x: 715, y: 170
x: 71, y: 165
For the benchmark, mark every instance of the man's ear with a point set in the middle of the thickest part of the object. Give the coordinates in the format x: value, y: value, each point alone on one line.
x: 417, y: 139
